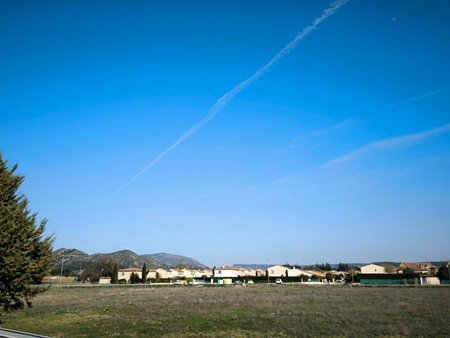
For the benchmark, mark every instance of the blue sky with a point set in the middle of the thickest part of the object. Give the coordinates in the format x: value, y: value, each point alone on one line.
x: 340, y: 152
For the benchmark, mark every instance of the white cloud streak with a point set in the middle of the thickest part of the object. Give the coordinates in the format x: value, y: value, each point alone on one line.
x: 421, y: 97
x: 412, y: 99
x: 323, y: 131
x: 395, y: 142
x: 222, y: 102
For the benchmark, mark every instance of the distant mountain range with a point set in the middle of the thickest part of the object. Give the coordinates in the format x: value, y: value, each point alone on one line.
x: 172, y: 260
x: 76, y: 260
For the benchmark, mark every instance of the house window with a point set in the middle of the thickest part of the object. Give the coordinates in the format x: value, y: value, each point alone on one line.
x: 220, y: 272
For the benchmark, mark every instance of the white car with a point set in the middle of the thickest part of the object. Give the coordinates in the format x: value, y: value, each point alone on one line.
x: 278, y: 281
x: 250, y: 282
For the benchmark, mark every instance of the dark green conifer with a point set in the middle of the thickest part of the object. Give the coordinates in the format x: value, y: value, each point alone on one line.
x: 25, y: 252
x: 115, y: 275
x: 144, y: 273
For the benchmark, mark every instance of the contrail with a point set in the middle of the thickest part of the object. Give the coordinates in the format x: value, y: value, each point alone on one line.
x: 399, y: 141
x: 221, y: 103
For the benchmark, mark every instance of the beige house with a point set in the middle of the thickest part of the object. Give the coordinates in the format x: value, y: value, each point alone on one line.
x: 172, y: 273
x: 294, y: 272
x: 207, y: 272
x: 284, y: 271
x: 260, y: 272
x: 200, y: 273
x: 185, y: 273
x: 151, y: 274
x: 373, y: 268
x: 418, y: 267
x: 104, y: 280
x: 278, y: 271
x: 126, y: 273
x: 249, y: 272
x: 161, y: 273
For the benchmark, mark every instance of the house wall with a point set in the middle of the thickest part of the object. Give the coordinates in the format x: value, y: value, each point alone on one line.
x: 277, y: 271
x: 429, y: 281
x: 226, y: 273
x: 151, y: 274
x: 162, y: 273
x: 298, y: 272
x: 373, y: 268
x: 172, y: 273
x: 207, y: 272
x: 250, y: 272
x: 126, y: 273
x: 104, y: 280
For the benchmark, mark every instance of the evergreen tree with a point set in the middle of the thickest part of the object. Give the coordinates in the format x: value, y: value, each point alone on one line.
x: 343, y: 267
x: 444, y: 272
x: 134, y: 278
x: 144, y: 273
x: 115, y: 275
x: 25, y: 253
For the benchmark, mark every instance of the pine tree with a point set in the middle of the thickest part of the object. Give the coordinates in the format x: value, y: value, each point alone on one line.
x: 115, y: 275
x: 25, y: 253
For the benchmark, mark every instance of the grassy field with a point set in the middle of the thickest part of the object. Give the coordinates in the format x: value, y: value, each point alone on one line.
x: 258, y: 311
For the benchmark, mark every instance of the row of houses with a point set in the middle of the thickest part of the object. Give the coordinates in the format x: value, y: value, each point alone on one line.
x: 406, y: 273
x: 404, y: 267
x: 223, y: 272
x: 155, y: 274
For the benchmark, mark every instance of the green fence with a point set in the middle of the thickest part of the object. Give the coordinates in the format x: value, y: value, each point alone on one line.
x: 388, y: 281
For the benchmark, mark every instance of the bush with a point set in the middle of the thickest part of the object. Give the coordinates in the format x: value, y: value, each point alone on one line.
x: 134, y: 278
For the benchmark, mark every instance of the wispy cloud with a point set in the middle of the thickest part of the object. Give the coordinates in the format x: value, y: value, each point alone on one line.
x: 411, y: 99
x: 232, y: 183
x: 394, y: 142
x: 222, y: 102
x: 311, y: 134
x: 323, y: 131
x: 421, y: 97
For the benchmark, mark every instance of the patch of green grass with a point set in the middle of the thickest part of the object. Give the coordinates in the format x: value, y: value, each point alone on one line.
x: 260, y: 311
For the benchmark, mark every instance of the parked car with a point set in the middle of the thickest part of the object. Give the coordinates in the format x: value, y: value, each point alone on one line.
x: 278, y: 281
x: 238, y: 282
x: 250, y: 282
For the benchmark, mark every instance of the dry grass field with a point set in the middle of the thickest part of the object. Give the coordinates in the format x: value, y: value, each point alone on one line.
x: 258, y: 311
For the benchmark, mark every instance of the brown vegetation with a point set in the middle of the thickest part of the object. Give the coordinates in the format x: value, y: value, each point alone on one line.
x: 282, y: 311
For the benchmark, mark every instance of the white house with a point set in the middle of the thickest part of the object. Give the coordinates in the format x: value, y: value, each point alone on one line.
x: 226, y: 272
x: 373, y: 268
x: 429, y: 280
